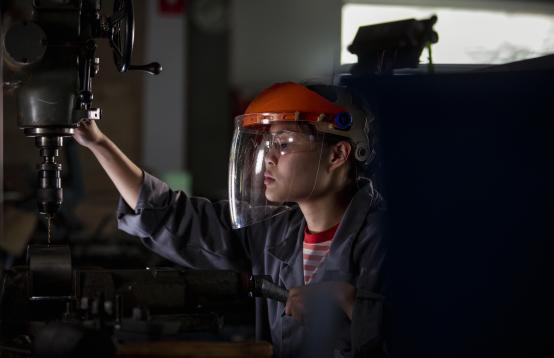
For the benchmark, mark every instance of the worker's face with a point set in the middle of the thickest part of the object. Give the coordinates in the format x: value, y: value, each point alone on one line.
x: 291, y: 164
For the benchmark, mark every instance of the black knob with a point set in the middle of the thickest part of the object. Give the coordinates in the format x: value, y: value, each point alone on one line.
x: 153, y: 68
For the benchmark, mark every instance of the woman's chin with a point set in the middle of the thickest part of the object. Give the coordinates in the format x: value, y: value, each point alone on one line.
x: 272, y: 195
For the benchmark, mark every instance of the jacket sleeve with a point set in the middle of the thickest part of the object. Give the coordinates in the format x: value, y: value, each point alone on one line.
x: 192, y: 232
x: 367, y: 326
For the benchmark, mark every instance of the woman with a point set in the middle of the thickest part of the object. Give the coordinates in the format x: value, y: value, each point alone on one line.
x: 298, y: 210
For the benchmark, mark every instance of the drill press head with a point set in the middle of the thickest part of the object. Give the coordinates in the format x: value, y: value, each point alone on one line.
x: 46, y: 99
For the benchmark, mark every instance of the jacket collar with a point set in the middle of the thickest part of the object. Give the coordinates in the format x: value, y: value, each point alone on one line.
x: 284, y: 250
x: 365, y: 199
x: 361, y: 204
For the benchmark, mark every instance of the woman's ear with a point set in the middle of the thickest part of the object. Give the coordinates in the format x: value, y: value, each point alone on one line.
x: 339, y: 154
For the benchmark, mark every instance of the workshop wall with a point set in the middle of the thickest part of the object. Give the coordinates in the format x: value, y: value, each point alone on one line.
x: 163, y: 106
x: 284, y: 40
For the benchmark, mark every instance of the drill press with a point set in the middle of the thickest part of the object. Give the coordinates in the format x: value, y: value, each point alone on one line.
x: 51, y: 47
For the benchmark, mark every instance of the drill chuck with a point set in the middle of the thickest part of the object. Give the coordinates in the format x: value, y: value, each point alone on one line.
x: 49, y: 188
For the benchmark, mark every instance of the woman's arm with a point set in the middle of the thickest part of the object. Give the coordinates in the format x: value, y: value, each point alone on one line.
x: 192, y: 232
x: 126, y: 175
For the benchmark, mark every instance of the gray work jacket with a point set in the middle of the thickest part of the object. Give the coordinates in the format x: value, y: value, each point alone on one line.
x: 196, y: 233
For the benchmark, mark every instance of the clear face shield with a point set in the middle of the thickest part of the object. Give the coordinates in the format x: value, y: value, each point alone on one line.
x: 272, y: 163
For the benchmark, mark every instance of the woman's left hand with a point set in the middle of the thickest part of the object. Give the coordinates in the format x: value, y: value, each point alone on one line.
x: 343, y: 292
x: 295, y: 303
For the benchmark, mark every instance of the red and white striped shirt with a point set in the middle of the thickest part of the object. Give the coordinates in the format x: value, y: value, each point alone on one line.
x: 315, y: 249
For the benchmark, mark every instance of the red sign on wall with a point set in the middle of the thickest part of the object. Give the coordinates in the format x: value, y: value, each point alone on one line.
x: 171, y: 7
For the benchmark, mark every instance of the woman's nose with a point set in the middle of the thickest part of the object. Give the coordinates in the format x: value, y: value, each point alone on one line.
x: 272, y: 156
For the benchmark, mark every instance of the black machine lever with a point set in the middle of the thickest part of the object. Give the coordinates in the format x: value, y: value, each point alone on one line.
x: 263, y: 286
x: 153, y: 68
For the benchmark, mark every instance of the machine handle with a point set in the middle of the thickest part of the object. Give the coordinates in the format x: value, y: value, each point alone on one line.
x: 152, y: 68
x: 263, y: 286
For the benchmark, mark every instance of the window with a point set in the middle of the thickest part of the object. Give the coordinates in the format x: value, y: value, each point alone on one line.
x: 466, y: 36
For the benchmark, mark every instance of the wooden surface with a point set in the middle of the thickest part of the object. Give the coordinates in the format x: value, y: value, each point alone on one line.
x: 257, y: 349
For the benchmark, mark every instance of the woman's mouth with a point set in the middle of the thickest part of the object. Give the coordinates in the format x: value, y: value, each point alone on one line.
x: 268, y: 179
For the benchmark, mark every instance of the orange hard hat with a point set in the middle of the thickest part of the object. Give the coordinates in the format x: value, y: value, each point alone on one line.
x: 290, y: 101
x: 291, y: 97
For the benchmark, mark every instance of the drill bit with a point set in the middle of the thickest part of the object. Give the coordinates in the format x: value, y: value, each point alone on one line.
x: 49, y: 230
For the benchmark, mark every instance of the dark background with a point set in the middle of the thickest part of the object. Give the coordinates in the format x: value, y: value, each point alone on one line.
x: 467, y: 166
